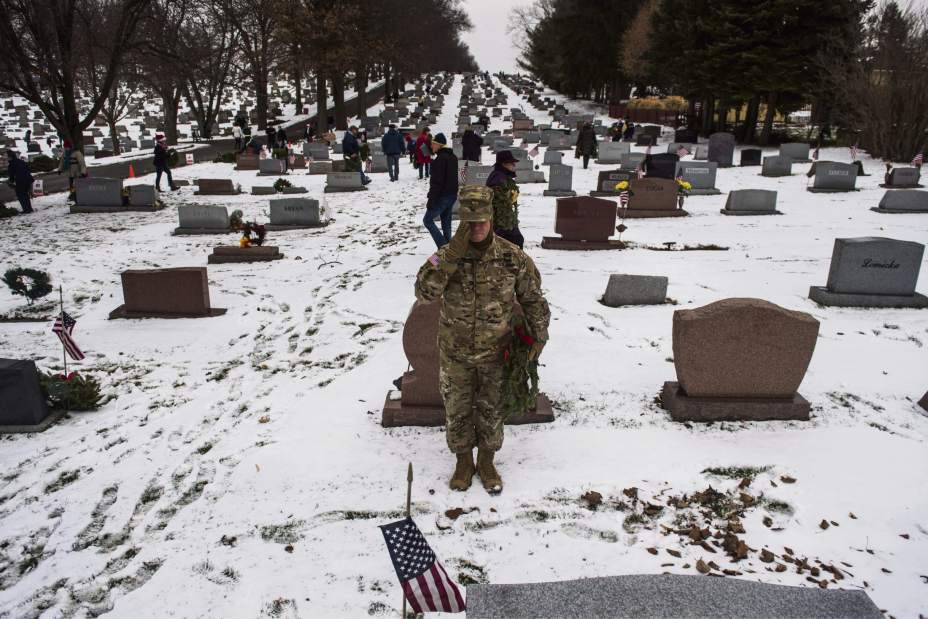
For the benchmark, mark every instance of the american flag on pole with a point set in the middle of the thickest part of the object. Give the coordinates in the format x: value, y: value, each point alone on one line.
x: 425, y: 582
x: 64, y: 326
x: 464, y: 172
x: 533, y: 152
x: 918, y: 160
x: 682, y: 152
x: 623, y: 198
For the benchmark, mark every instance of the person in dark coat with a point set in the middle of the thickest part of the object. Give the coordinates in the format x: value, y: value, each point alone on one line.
x: 351, y: 151
x: 629, y: 133
x: 20, y: 178
x: 162, y: 162
x: 393, y: 147
x: 443, y: 190
x: 470, y: 145
x: 281, y: 138
x: 410, y: 148
x: 505, y: 198
x: 586, y: 144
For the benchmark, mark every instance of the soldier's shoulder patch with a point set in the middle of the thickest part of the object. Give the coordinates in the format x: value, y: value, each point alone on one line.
x: 434, y: 260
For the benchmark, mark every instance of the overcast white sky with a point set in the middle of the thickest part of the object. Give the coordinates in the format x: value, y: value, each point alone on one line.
x: 488, y: 41
x: 492, y: 47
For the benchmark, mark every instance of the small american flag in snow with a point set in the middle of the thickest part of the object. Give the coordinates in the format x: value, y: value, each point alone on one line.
x: 533, y: 152
x: 918, y: 160
x: 682, y: 152
x: 425, y: 583
x: 64, y: 326
x: 623, y: 198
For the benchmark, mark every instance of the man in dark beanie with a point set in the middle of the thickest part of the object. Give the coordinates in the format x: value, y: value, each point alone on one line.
x: 505, y: 198
x: 443, y: 190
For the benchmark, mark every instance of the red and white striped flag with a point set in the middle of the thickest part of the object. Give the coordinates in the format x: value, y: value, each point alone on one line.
x: 682, y: 152
x: 64, y: 326
x: 918, y: 160
x: 533, y: 152
x: 425, y: 583
x: 623, y: 198
x: 463, y: 173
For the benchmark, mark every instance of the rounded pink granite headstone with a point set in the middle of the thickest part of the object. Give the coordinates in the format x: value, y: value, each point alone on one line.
x: 420, y: 343
x: 742, y: 348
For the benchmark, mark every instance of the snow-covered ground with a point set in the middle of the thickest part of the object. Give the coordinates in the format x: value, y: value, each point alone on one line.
x: 240, y: 469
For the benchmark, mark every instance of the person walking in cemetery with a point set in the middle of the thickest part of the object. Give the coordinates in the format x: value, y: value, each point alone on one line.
x: 410, y: 149
x: 586, y: 144
x: 20, y: 179
x: 505, y: 198
x: 629, y: 133
x: 424, y: 153
x: 237, y: 136
x: 270, y: 137
x: 28, y: 136
x: 281, y: 137
x: 162, y: 162
x: 393, y: 146
x: 351, y: 150
x: 475, y: 322
x: 470, y: 145
x: 443, y: 191
x: 72, y: 162
x: 195, y: 132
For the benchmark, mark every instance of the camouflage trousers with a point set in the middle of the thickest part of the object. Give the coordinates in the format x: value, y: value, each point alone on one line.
x: 471, y: 393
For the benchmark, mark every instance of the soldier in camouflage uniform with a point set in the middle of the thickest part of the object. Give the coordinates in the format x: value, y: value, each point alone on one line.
x: 505, y: 198
x: 478, y: 276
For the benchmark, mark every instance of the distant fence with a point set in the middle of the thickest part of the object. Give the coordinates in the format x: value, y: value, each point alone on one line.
x: 647, y: 115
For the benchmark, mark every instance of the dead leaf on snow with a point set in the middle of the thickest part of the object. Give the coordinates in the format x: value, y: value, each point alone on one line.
x: 264, y: 418
x: 744, y: 483
x: 653, y: 551
x: 593, y: 499
x: 786, y: 479
x: 701, y: 567
x: 852, y: 516
x: 454, y: 513
x: 631, y: 493
x: 766, y: 556
x: 904, y: 535
x: 823, y: 524
x: 768, y: 521
x: 780, y: 567
x: 674, y: 553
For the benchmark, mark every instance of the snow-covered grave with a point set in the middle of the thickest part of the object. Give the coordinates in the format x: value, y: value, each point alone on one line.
x: 239, y: 467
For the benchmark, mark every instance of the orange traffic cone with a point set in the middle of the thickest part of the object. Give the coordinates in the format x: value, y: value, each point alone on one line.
x: 131, y: 171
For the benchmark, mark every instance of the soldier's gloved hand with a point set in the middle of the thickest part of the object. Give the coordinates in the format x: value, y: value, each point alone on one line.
x: 456, y: 249
x: 535, y: 352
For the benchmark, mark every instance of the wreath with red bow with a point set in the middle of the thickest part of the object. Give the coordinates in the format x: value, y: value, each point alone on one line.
x: 520, y: 373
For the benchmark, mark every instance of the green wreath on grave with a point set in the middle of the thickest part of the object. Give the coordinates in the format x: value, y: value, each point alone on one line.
x: 30, y: 283
x: 280, y: 183
x: 520, y: 373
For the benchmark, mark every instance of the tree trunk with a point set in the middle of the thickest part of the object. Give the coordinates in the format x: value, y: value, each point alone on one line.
x: 360, y: 86
x: 768, y: 119
x: 114, y: 136
x: 750, y: 121
x: 170, y: 97
x: 260, y: 80
x: 298, y: 85
x: 322, y: 98
x: 691, y: 114
x: 708, y: 112
x: 386, y: 83
x: 338, y: 100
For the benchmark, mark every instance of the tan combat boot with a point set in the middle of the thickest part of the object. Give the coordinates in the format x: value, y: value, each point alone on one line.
x: 463, y: 471
x: 492, y: 482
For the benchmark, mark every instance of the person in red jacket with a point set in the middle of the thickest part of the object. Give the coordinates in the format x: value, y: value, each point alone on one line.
x: 424, y: 152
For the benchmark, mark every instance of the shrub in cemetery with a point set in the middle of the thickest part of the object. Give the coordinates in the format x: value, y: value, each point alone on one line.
x: 280, y: 183
x: 6, y: 211
x: 30, y: 283
x: 43, y: 164
x: 74, y: 391
x: 225, y: 158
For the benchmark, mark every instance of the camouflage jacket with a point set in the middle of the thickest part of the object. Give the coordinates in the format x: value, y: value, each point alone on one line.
x: 506, y: 206
x: 478, y: 298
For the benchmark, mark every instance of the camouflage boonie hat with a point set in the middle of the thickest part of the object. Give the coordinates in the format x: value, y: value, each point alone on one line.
x: 476, y: 203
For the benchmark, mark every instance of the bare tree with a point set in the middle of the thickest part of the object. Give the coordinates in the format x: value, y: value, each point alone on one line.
x: 48, y: 46
x: 211, y: 38
x: 883, y: 90
x: 121, y: 103
x: 256, y: 24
